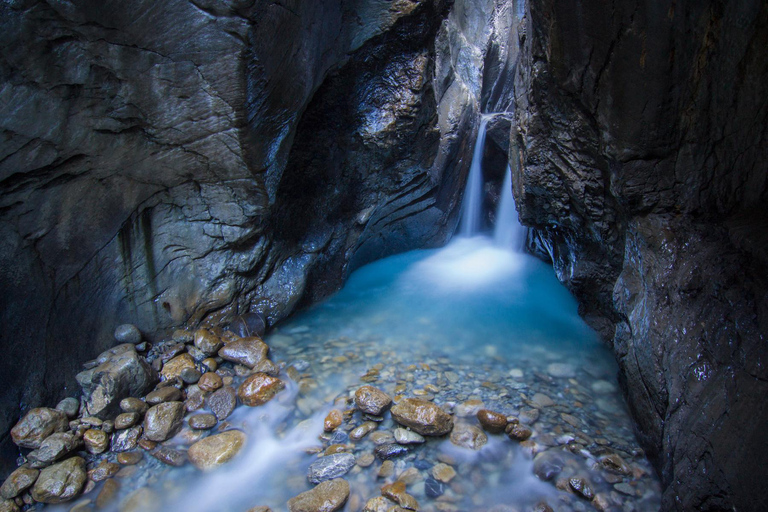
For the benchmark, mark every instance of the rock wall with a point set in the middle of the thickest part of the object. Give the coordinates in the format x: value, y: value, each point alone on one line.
x: 160, y: 164
x: 639, y: 158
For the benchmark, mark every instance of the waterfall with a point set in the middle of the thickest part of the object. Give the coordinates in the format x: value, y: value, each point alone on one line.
x: 508, y: 232
x: 472, y: 205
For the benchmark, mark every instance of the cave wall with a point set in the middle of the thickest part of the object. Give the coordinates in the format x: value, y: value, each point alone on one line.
x: 155, y: 155
x: 639, y: 158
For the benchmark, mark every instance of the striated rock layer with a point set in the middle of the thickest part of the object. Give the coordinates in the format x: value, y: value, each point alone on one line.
x: 640, y: 160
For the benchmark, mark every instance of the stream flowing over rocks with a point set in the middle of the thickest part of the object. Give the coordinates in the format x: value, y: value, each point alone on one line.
x: 170, y: 168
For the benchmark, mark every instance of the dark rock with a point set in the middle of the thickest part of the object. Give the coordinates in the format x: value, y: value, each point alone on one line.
x: 330, y: 467
x: 389, y: 451
x: 339, y: 437
x: 491, y: 421
x: 249, y: 324
x: 69, y: 406
x: 163, y: 421
x: 222, y: 402
x: 329, y: 496
x: 170, y: 456
x: 134, y: 405
x: 121, y: 373
x: 128, y: 333
x: 548, y: 465
x: 423, y: 417
x: 581, y: 487
x: 247, y: 351
x: 190, y: 375
x: 166, y: 394
x: 372, y: 400
x: 37, y: 425
x: 125, y: 440
x: 433, y: 488
x: 518, y: 432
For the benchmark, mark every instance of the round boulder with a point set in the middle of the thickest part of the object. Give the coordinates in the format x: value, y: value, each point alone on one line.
x: 213, y: 451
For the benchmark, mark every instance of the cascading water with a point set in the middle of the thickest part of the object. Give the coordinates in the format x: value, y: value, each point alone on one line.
x: 472, y: 205
x: 508, y: 231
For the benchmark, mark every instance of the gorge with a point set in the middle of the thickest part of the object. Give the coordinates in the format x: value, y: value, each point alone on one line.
x: 181, y: 163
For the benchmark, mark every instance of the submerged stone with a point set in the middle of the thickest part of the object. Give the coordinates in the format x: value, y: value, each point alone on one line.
x: 213, y: 451
x: 329, y: 496
x: 330, y: 467
x: 423, y: 417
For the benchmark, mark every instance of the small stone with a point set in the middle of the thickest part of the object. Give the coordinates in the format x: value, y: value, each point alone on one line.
x: 382, y: 437
x: 96, y: 441
x: 333, y: 420
x: 173, y: 368
x: 422, y: 416
x: 363, y: 430
x: 129, y: 458
x: 246, y: 351
x: 207, y: 342
x: 107, y: 493
x: 330, y: 467
x: 204, y: 421
x: 443, y: 472
x: 209, y: 381
x: 571, y: 420
x: 405, y: 436
x: 170, y: 456
x: 259, y: 389
x: 55, y: 447
x: 372, y: 400
x: 548, y: 465
x: 492, y: 421
x: 387, y: 469
x: 542, y: 400
x: 132, y: 404
x: 128, y: 333
x: 625, y: 489
x: 329, y: 496
x: 162, y: 395
x: 615, y: 464
x: 126, y: 440
x: 190, y: 375
x: 182, y: 336
x: 561, y: 370
x: 377, y: 504
x: 211, y: 364
x: 469, y: 408
x: 18, y: 482
x: 335, y: 448
x: 529, y: 416
x: 37, y: 425
x: 69, y: 406
x: 603, y: 387
x: 468, y: 436
x: 126, y: 420
x: 582, y: 488
x: 388, y: 451
x: 364, y: 460
x: 104, y: 470
x: 396, y: 492
x: 213, y: 451
x: 222, y: 402
x: 142, y: 499
x: 518, y: 432
x: 163, y: 421
x: 433, y: 488
x: 60, y: 482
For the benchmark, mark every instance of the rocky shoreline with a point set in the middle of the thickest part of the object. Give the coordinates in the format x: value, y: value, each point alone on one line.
x: 417, y: 433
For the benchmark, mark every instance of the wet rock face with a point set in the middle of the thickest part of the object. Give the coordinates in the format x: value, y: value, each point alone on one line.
x: 637, y: 161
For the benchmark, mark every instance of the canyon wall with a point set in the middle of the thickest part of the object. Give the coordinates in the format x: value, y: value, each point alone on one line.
x: 639, y: 157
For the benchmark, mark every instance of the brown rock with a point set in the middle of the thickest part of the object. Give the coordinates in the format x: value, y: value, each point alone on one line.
x: 38, y: 424
x: 8, y: 506
x: 204, y: 421
x: 207, y: 342
x: 54, y: 447
x: 328, y: 496
x: 60, y: 482
x: 259, y: 389
x: 493, y: 422
x: 246, y: 351
x: 170, y: 456
x: 107, y: 493
x: 18, y: 482
x: 333, y: 420
x: 222, y: 402
x: 132, y: 404
x: 104, y: 470
x: 126, y: 420
x: 443, y: 472
x: 363, y: 430
x: 129, y: 458
x: 173, y: 368
x: 162, y: 395
x: 422, y: 417
x: 140, y: 500
x: 468, y: 436
x: 518, y: 432
x: 163, y: 421
x: 372, y: 400
x: 209, y: 381
x: 213, y: 451
x: 96, y: 441
x: 377, y: 504
x: 396, y: 492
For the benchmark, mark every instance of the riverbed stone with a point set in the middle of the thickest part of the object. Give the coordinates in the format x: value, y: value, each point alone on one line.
x: 542, y: 400
x: 422, y: 417
x: 372, y: 400
x: 163, y: 421
x: 581, y: 487
x: 363, y: 430
x: 377, y: 504
x: 615, y: 464
x: 60, y: 482
x: 492, y: 421
x: 548, y: 465
x: 166, y: 394
x: 190, y: 375
x: 172, y: 369
x: 207, y: 342
x: 443, y: 472
x: 468, y: 436
x: 127, y: 439
x: 246, y: 351
x: 54, y: 447
x: 518, y: 432
x: 8, y: 506
x: 38, y: 424
x: 128, y: 333
x: 561, y: 370
x: 170, y: 456
x: 133, y: 404
x: 18, y: 482
x: 222, y: 402
x: 104, y: 470
x: 433, y: 488
x: 396, y: 492
x: 142, y: 499
x: 203, y: 421
x: 259, y: 389
x: 121, y: 373
x: 328, y: 496
x: 332, y: 420
x: 405, y: 436
x: 126, y: 420
x: 209, y: 381
x: 330, y: 467
x: 96, y: 441
x: 213, y: 451
x: 69, y: 406
x: 389, y: 451
x: 107, y: 493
